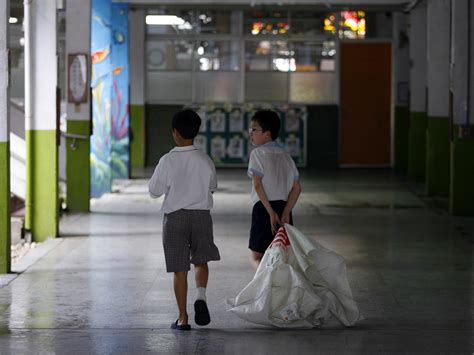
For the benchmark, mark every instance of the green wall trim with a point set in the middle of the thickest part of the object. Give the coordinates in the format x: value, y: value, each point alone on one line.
x: 137, y: 144
x: 402, y: 125
x: 437, y: 156
x: 5, y: 228
x: 417, y: 146
x: 42, y: 200
x: 78, y: 167
x: 461, y: 195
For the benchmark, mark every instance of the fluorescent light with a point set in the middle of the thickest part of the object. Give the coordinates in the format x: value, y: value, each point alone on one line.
x: 164, y: 20
x: 13, y: 20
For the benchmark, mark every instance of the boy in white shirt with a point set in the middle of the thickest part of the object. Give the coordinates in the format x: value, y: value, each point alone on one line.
x: 187, y: 178
x: 275, y: 183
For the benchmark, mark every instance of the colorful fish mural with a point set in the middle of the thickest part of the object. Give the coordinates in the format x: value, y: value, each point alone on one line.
x: 109, y: 56
x: 99, y: 56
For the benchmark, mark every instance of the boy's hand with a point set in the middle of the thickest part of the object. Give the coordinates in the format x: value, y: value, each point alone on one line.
x: 275, y: 222
x: 285, y: 218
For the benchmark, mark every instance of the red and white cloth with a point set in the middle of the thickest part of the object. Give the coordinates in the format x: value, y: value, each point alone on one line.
x: 299, y: 283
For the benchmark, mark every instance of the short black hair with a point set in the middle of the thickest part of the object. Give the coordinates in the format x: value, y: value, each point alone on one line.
x: 187, y: 123
x: 269, y: 121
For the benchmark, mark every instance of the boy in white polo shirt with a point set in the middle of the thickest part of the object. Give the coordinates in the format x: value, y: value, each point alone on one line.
x: 187, y: 178
x: 275, y: 183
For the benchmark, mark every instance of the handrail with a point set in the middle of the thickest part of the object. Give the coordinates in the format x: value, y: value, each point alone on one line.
x: 17, y: 106
x: 74, y: 137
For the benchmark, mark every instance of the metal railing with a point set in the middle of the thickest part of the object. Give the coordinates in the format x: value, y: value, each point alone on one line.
x: 72, y: 136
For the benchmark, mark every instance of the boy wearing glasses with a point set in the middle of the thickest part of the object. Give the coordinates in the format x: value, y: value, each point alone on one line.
x: 275, y: 183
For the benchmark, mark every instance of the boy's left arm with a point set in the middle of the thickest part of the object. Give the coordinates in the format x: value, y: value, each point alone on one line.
x: 290, y: 203
x: 213, y: 183
x: 158, y: 182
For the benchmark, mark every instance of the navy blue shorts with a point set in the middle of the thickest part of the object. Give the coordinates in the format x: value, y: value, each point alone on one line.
x: 261, y: 235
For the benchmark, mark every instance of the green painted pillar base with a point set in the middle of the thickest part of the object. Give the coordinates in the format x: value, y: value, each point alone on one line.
x: 417, y: 146
x: 437, y: 156
x: 137, y: 144
x: 402, y: 125
x: 461, y: 195
x: 5, y: 230
x: 78, y: 167
x: 42, y: 195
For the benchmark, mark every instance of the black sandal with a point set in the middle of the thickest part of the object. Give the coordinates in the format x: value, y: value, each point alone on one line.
x: 201, y: 316
x: 177, y: 326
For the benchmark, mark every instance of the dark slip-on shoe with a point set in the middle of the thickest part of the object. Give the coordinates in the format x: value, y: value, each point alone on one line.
x: 177, y: 326
x: 201, y: 315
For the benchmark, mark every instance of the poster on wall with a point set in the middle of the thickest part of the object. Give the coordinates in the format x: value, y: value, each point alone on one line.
x: 236, y: 121
x: 200, y: 142
x: 292, y: 144
x: 217, y: 120
x: 203, y: 116
x: 218, y: 148
x: 236, y: 147
x: 292, y: 121
x: 225, y: 134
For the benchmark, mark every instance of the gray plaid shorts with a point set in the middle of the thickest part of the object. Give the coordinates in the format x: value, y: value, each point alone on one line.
x: 188, y: 239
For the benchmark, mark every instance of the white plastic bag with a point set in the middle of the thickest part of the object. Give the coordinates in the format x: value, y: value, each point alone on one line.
x: 298, y: 283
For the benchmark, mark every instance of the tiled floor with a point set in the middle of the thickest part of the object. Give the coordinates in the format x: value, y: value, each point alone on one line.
x: 102, y: 288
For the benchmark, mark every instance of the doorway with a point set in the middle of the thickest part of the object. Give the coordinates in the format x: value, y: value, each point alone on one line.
x: 366, y: 70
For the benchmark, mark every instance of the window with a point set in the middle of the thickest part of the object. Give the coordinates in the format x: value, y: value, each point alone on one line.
x: 217, y: 22
x: 169, y: 55
x: 311, y: 23
x: 218, y: 55
x: 352, y: 25
x: 262, y: 22
x: 170, y: 22
x: 268, y: 55
x: 314, y: 56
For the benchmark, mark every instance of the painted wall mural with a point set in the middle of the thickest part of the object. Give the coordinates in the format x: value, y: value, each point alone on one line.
x: 109, y: 55
x: 120, y: 112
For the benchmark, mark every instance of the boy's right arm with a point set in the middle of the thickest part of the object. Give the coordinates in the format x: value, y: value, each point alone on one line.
x: 158, y: 184
x: 291, y: 201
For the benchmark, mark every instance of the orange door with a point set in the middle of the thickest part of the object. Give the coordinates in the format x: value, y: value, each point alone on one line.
x: 365, y: 104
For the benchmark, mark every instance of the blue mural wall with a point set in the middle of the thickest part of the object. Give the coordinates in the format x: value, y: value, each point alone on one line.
x: 110, y: 141
x: 120, y: 82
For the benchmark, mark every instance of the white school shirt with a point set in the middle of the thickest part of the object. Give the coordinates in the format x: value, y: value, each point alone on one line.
x: 277, y: 169
x: 186, y: 176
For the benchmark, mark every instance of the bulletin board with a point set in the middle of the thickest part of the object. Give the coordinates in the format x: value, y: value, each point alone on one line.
x: 224, y: 133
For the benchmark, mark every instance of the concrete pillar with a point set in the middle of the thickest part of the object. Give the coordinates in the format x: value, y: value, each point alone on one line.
x: 5, y: 236
x: 437, y: 133
x: 418, y: 119
x: 40, y: 119
x: 78, y: 17
x: 461, y: 195
x: 401, y: 66
x: 137, y: 28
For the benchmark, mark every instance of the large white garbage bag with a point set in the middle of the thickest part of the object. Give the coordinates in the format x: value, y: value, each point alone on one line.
x: 299, y: 283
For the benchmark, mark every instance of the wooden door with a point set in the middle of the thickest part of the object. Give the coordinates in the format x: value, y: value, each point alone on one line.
x: 365, y: 104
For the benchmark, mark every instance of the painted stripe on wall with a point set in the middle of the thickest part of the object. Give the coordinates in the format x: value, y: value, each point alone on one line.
x: 417, y: 146
x: 78, y: 167
x: 137, y: 145
x: 402, y: 127
x: 5, y: 208
x: 437, y: 156
x: 42, y: 205
x: 462, y: 175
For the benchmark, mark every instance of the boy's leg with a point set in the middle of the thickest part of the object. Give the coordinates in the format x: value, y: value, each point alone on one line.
x: 255, y: 258
x: 201, y: 275
x: 181, y: 293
